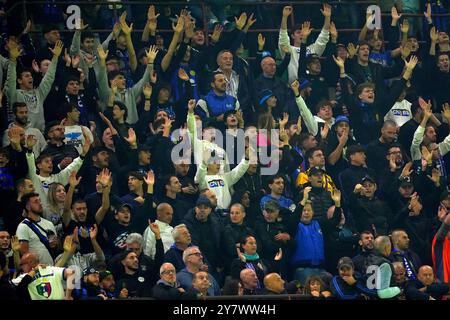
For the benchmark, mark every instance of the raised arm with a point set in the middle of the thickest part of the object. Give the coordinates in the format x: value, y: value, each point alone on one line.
x: 150, y: 26
x: 178, y: 29
x: 306, y: 114
x: 105, y: 180
x: 67, y: 211
x: 127, y: 31
x: 283, y: 38
x: 151, y: 56
x: 103, y: 86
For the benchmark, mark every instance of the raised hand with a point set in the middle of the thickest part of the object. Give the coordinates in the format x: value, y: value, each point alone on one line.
x: 427, y: 155
x: 14, y: 135
x: 131, y: 137
x: 67, y: 58
x: 14, y: 50
x: 339, y: 62
x: 123, y: 24
x: 104, y: 178
x: 411, y: 64
x: 150, y: 178
x: 435, y: 176
x: 189, y: 26
x: 427, y: 14
x: 31, y: 141
x: 80, y: 23
x: 206, y: 156
x: 73, y: 181
x: 191, y: 105
x: 352, y: 50
x: 57, y: 49
x: 147, y: 90
x: 102, y: 55
x: 240, y: 23
x: 358, y: 189
x: 287, y: 10
x: 15, y: 244
x: 324, y: 131
x: 284, y: 120
x: 336, y: 196
x: 178, y: 28
x: 434, y: 34
x: 152, y: 17
x: 216, y: 33
x: 404, y: 27
x: 155, y: 229
x: 344, y: 137
x: 446, y: 111
x: 306, y: 29
x: 87, y: 142
x: 250, y: 22
x: 407, y: 170
x: 326, y: 11
x: 68, y: 243
x: 151, y: 54
x: 76, y: 61
x: 116, y: 30
x: 306, y: 192
x: 261, y: 42
x: 333, y: 31
x: 93, y: 231
x: 295, y: 86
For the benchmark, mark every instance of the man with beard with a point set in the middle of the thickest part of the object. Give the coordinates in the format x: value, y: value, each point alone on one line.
x: 90, y: 289
x: 133, y: 279
x: 34, y: 231
x: 366, y: 245
x: 108, y: 286
x: 376, y: 149
x: 20, y: 111
x: 214, y: 105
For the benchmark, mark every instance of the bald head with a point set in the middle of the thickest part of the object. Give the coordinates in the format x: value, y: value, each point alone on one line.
x: 383, y: 245
x: 273, y: 282
x: 400, y: 240
x: 268, y: 66
x: 164, y: 212
x: 28, y: 261
x: 389, y: 131
x: 249, y: 279
x: 426, y: 275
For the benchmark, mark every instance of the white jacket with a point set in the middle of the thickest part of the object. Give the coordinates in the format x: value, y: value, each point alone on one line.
x: 41, y: 184
x: 221, y: 184
x: 317, y: 47
x: 150, y: 241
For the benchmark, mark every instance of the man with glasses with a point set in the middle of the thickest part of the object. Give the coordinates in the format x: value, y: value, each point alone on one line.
x: 193, y: 259
x: 167, y: 288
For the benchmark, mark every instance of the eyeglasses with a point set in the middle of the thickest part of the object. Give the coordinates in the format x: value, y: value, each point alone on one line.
x: 168, y: 272
x: 198, y: 254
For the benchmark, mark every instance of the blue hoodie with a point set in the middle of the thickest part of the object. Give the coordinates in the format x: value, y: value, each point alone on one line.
x: 309, y: 241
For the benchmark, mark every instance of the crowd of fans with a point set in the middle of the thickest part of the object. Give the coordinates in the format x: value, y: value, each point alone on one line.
x: 125, y: 171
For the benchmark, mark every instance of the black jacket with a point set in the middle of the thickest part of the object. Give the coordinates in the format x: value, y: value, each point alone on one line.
x: 370, y: 213
x: 164, y: 291
x: 207, y: 236
x: 436, y: 290
x: 232, y: 234
x: 351, y: 176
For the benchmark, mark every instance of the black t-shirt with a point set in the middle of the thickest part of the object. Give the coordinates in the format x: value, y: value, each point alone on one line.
x: 138, y: 285
x: 117, y: 234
